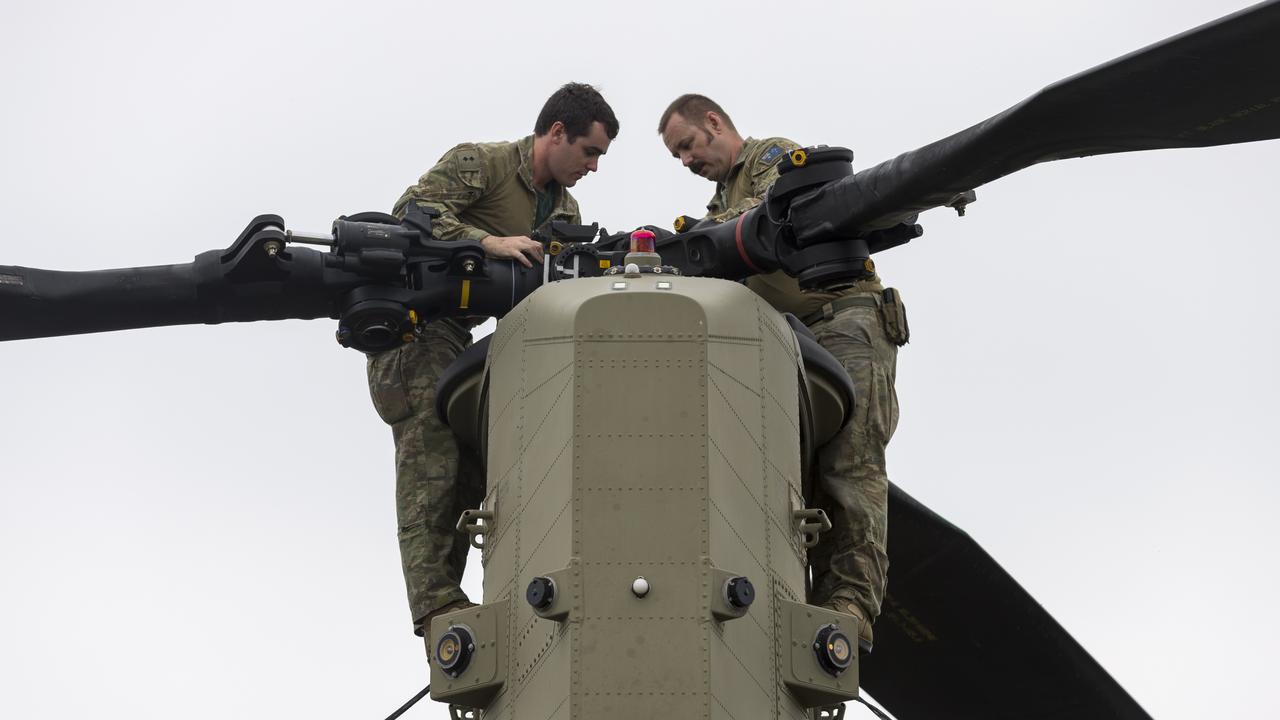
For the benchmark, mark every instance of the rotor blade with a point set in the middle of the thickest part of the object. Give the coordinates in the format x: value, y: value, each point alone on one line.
x: 258, y: 278
x: 240, y: 284
x: 47, y: 303
x: 1215, y: 85
x: 959, y: 639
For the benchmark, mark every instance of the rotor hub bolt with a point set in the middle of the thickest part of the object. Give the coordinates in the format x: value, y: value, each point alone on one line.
x: 273, y: 247
x: 469, y: 266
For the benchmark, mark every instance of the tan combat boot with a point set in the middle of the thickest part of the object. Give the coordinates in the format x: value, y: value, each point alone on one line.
x: 849, y: 607
x: 426, y: 622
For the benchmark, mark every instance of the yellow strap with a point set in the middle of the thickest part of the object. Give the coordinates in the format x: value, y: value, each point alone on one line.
x: 466, y: 295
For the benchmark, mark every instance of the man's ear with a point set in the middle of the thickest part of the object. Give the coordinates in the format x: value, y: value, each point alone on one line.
x: 557, y: 132
x: 714, y: 122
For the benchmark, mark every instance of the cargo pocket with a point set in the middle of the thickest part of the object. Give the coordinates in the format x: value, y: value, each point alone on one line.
x: 894, y: 316
x: 387, y: 386
x: 882, y: 411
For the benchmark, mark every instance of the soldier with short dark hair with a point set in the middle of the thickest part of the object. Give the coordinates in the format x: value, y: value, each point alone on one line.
x: 861, y: 323
x: 496, y: 194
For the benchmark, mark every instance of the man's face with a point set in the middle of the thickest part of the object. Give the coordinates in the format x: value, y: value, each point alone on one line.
x: 569, y: 162
x: 703, y: 147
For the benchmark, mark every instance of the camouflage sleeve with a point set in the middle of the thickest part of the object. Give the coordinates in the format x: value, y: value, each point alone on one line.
x: 734, y: 210
x: 764, y: 173
x: 453, y: 184
x: 575, y: 212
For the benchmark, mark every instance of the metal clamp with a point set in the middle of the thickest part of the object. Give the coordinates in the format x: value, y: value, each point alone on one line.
x: 475, y: 523
x: 810, y: 523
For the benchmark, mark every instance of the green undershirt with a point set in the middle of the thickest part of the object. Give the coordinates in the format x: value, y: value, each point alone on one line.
x: 546, y: 203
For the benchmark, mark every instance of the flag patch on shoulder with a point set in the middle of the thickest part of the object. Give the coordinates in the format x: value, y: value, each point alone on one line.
x: 771, y: 155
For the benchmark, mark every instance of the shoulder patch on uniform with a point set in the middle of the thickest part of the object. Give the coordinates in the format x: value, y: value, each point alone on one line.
x: 772, y: 154
x: 468, y: 158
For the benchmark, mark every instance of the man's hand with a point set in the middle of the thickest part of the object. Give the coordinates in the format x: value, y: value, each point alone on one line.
x: 516, y: 247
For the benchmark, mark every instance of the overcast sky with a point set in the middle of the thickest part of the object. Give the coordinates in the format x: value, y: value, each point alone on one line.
x: 199, y: 522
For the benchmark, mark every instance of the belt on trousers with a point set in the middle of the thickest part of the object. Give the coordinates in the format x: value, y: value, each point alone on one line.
x: 830, y: 309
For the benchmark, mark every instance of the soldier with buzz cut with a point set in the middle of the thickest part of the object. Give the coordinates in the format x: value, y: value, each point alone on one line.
x: 496, y: 194
x: 861, y: 323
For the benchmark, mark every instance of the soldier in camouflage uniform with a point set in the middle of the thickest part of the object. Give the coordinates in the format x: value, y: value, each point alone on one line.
x: 861, y: 324
x: 495, y: 194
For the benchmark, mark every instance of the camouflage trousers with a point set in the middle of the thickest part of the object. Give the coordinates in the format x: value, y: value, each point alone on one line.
x: 850, y: 561
x: 435, y: 479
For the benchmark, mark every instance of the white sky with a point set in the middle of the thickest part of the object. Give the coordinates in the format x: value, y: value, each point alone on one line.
x: 199, y: 521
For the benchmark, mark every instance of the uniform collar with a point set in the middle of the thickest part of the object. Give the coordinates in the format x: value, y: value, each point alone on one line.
x: 563, y: 204
x: 736, y: 167
x: 525, y: 147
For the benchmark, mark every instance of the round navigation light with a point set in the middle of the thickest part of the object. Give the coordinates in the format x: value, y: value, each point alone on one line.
x: 640, y: 587
x: 740, y: 592
x: 540, y: 593
x: 643, y: 241
x: 454, y: 650
x: 834, y: 651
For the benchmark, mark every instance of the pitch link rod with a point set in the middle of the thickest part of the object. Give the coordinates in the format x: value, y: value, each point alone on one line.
x: 309, y: 238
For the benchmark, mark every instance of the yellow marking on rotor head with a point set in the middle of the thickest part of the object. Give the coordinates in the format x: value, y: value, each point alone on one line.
x: 799, y: 157
x: 413, y: 317
x: 679, y: 224
x: 604, y: 264
x: 466, y: 295
x: 554, y: 247
x: 869, y: 265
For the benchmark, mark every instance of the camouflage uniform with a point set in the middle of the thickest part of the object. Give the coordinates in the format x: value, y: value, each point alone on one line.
x: 850, y: 562
x: 480, y: 190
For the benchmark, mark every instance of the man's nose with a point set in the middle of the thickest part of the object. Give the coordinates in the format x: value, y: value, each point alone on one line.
x: 593, y: 164
x: 686, y: 158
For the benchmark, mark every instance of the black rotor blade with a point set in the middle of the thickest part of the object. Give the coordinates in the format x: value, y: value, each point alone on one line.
x: 243, y: 284
x: 257, y: 278
x: 47, y: 303
x: 1215, y: 85
x: 41, y: 303
x: 958, y: 638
